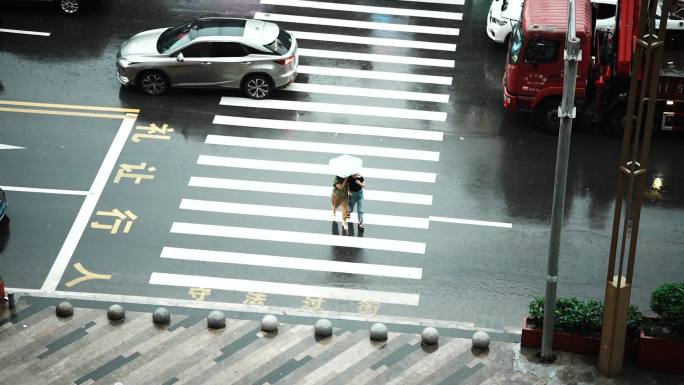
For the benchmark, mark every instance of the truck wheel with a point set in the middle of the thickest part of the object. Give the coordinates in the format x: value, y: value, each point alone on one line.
x: 546, y: 116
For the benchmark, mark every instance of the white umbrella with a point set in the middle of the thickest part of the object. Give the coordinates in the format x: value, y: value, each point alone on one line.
x: 345, y: 165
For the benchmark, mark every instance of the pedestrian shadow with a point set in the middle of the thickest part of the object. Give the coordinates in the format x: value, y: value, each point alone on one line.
x: 353, y: 230
x: 346, y: 254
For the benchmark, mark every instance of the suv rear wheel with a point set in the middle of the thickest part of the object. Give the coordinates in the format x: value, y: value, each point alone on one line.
x: 257, y: 86
x: 69, y: 7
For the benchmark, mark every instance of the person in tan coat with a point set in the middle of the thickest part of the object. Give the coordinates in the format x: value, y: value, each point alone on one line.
x: 340, y: 197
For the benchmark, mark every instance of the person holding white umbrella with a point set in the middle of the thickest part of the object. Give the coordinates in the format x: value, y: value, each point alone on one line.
x: 342, y: 167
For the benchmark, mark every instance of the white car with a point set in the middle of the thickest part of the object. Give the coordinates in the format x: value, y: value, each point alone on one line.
x: 503, y: 14
x: 606, y: 10
x: 675, y: 22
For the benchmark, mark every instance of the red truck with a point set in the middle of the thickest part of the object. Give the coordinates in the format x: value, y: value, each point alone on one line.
x: 533, y: 80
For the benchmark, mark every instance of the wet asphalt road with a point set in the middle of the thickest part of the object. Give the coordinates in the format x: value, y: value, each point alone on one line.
x: 492, y: 167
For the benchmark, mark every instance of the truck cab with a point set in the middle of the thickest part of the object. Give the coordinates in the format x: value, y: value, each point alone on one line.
x: 533, y: 80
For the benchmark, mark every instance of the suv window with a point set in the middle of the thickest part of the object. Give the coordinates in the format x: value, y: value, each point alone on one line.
x: 221, y: 27
x: 197, y: 50
x: 542, y: 51
x: 252, y: 50
x: 281, y: 44
x: 227, y: 50
x: 176, y: 37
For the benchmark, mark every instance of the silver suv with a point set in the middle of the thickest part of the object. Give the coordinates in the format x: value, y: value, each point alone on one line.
x: 214, y: 52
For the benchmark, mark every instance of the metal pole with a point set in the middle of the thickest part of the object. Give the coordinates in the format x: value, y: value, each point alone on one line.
x: 566, y: 112
x: 632, y: 172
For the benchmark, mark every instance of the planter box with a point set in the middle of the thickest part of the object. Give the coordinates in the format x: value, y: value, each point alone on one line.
x: 661, y: 354
x: 566, y: 342
x: 573, y: 343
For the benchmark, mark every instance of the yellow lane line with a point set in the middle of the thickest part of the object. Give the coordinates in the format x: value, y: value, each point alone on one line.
x: 66, y: 113
x: 67, y: 106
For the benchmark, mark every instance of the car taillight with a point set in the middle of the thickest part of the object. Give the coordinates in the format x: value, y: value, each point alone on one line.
x: 286, y: 61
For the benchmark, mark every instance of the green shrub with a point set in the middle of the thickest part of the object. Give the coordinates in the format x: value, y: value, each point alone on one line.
x: 584, y: 317
x: 635, y: 322
x: 536, y: 310
x: 668, y: 302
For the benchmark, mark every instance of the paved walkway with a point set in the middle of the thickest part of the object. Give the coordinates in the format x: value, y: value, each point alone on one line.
x: 36, y: 347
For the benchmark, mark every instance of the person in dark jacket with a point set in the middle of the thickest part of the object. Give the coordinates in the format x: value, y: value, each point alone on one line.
x: 356, y: 185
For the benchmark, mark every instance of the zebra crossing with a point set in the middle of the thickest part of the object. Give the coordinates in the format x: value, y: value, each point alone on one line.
x: 374, y: 82
x: 323, y: 21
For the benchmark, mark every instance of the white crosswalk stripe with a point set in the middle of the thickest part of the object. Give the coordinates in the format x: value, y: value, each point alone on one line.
x: 299, y: 213
x: 366, y: 9
x: 332, y: 128
x: 331, y: 108
x: 344, y: 55
x: 312, y: 168
x: 377, y: 75
x: 368, y: 92
x: 332, y: 148
x: 356, y: 24
x: 306, y: 190
x: 291, y: 263
x: 246, y: 286
x: 367, y: 40
x: 297, y: 237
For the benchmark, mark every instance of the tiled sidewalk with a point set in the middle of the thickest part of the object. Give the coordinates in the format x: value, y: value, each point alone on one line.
x: 36, y: 347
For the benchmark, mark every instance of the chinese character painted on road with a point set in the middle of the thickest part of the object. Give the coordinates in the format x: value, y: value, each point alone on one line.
x: 119, y: 217
x: 126, y: 171
x: 254, y: 299
x: 152, y: 132
x: 368, y: 307
x: 199, y: 293
x: 86, y: 275
x: 312, y: 303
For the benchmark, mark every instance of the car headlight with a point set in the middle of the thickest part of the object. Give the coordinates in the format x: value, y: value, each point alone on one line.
x: 499, y: 22
x: 125, y: 63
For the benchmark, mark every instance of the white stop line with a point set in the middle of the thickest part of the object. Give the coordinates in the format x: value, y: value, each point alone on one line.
x: 23, y: 32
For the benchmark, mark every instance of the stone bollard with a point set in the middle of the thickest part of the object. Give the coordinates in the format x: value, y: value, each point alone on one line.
x: 378, y: 332
x: 323, y: 328
x: 64, y: 309
x: 269, y: 323
x: 116, y: 313
x: 430, y: 336
x: 216, y: 320
x: 161, y: 316
x: 481, y: 340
